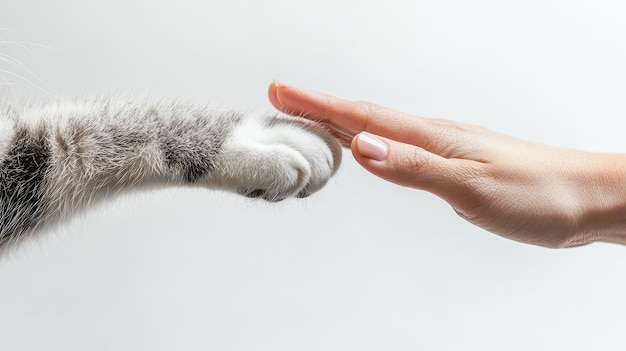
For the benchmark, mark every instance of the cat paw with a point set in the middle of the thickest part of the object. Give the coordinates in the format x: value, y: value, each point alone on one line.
x: 274, y: 157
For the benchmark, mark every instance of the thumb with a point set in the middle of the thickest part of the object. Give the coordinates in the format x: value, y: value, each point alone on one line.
x: 406, y: 165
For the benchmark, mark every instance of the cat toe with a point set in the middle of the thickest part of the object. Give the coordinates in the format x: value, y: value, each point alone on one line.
x: 273, y: 199
x: 303, y: 194
x: 261, y: 194
x: 253, y: 194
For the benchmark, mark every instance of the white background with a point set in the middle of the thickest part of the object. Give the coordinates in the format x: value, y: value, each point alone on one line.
x: 362, y: 265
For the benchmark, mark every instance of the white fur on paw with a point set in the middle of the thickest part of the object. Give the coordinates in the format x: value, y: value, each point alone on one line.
x: 276, y: 157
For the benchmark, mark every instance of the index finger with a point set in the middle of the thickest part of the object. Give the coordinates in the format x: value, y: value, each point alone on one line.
x: 352, y: 117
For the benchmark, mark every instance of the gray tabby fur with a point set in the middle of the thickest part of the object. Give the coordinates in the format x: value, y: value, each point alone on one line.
x: 56, y: 159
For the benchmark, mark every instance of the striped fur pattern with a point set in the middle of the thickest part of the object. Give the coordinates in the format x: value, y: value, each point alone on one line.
x: 58, y: 158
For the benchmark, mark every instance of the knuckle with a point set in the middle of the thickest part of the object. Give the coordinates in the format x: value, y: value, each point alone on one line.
x: 452, y: 130
x: 367, y: 112
x: 416, y: 161
x: 367, y: 108
x: 452, y: 125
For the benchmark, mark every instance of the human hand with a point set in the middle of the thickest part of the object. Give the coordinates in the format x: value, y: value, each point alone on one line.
x: 521, y: 190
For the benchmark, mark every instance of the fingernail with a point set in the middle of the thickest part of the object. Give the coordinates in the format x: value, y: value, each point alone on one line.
x: 371, y: 146
x: 278, y: 83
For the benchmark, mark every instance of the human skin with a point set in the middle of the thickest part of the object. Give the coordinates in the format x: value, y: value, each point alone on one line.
x: 525, y: 191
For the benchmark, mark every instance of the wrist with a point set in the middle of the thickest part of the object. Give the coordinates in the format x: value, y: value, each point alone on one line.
x: 602, y: 185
